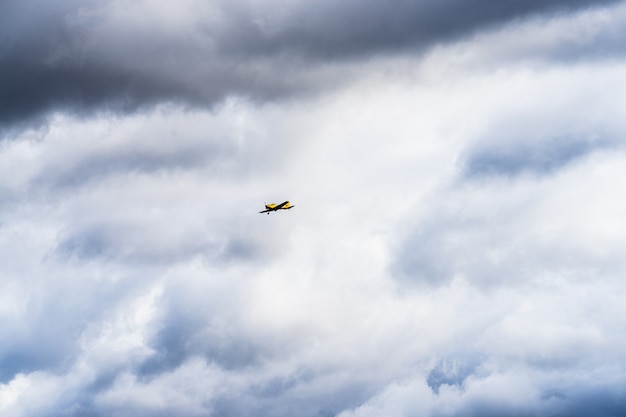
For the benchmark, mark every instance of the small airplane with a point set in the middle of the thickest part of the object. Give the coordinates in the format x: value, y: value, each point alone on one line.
x: 274, y: 207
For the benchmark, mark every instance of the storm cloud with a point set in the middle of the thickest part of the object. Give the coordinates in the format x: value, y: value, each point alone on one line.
x: 84, y: 57
x: 456, y: 245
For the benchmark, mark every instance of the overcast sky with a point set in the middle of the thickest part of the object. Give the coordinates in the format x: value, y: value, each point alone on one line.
x: 457, y: 242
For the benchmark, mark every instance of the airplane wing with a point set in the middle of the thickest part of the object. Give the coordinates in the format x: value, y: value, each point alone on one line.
x: 284, y: 205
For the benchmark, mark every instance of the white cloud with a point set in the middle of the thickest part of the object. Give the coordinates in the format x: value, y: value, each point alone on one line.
x: 137, y: 276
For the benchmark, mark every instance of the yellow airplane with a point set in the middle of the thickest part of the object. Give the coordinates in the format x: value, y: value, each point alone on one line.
x: 274, y: 207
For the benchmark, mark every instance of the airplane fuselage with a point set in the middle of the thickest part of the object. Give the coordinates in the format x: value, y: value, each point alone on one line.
x: 286, y: 205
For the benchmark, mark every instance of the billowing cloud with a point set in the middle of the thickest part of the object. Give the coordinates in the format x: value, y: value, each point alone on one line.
x: 456, y: 246
x: 106, y: 55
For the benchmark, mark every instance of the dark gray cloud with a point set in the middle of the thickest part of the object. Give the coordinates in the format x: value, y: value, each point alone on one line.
x: 95, y: 55
x: 349, y: 28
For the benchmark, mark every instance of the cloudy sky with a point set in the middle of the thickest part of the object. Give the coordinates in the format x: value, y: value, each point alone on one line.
x: 457, y: 245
